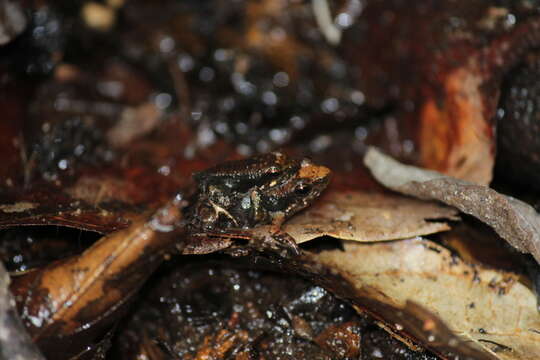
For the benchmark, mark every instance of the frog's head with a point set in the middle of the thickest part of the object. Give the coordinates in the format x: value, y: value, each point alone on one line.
x: 295, y: 191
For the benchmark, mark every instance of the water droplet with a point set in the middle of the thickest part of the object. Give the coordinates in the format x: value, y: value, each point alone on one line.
x: 281, y: 79
x: 269, y: 98
x: 320, y: 143
x: 263, y: 146
x: 408, y: 146
x: 79, y: 150
x: 207, y: 74
x: 298, y: 122
x: 221, y: 127
x: 358, y: 97
x: 510, y: 20
x: 244, y: 150
x: 164, y: 170
x: 63, y: 164
x: 227, y: 104
x: 196, y: 115
x: 112, y: 89
x: 330, y: 105
x: 223, y: 55
x: 344, y: 20
x: 166, y: 44
x: 241, y: 85
x: 162, y: 101
x: 278, y: 136
x: 246, y: 202
x: 241, y: 128
x: 205, y: 136
x: 377, y: 353
x: 361, y: 133
x: 185, y: 62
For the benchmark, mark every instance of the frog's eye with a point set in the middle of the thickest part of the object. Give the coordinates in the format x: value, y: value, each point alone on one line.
x: 273, y: 170
x: 302, y: 189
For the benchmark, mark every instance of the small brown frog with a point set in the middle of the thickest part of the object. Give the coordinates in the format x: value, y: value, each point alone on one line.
x: 262, y: 190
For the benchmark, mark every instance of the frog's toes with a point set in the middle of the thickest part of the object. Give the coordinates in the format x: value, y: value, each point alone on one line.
x: 285, y: 244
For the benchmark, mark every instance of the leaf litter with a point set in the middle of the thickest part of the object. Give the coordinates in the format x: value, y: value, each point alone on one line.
x: 514, y: 220
x: 369, y: 216
x: 487, y: 307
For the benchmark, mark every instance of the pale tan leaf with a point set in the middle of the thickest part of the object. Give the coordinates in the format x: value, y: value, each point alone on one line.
x: 487, y: 307
x: 369, y: 217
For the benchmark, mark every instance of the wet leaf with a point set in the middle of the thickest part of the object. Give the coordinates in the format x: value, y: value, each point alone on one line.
x: 514, y: 220
x: 83, y: 294
x: 369, y: 216
x: 487, y: 307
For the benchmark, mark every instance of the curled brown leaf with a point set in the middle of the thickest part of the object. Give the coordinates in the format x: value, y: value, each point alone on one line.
x: 514, y: 220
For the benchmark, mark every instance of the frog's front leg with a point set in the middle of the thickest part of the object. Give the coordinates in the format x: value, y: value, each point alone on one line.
x: 277, y: 239
x: 262, y: 238
x: 284, y: 243
x: 280, y: 239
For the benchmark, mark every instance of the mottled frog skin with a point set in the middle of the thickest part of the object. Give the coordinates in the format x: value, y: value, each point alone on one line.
x: 261, y: 190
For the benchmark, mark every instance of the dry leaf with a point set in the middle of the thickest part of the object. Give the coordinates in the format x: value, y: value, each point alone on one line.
x: 490, y: 308
x: 515, y: 221
x: 369, y: 217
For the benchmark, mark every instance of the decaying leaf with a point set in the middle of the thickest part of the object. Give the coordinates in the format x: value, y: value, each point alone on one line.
x: 82, y: 294
x: 369, y: 217
x: 515, y: 221
x: 487, y: 307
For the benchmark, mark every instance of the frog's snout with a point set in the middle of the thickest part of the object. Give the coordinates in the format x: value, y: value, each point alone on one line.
x: 313, y: 172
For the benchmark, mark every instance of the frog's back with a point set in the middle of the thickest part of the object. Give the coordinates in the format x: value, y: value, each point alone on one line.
x: 249, y: 169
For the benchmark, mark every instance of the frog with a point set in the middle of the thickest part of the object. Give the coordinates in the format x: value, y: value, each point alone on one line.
x: 265, y: 189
